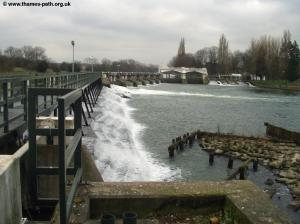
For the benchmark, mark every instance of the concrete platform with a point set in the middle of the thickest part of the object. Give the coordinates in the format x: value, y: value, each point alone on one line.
x: 157, y: 200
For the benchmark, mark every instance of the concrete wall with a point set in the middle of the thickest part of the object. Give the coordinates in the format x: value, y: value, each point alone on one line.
x: 10, y: 190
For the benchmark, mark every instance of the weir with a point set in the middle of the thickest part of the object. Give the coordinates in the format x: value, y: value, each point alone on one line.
x: 132, y: 78
x: 53, y: 179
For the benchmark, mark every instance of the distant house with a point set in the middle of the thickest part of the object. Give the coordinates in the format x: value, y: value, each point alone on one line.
x: 256, y: 77
x: 184, y: 75
x: 237, y: 76
x: 250, y: 77
x: 230, y: 77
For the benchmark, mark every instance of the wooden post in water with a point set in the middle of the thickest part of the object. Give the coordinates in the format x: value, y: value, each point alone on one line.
x: 230, y: 163
x: 242, y: 173
x: 211, y: 158
x: 171, y: 150
x: 255, y: 165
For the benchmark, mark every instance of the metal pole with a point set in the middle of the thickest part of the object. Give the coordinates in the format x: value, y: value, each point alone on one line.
x: 73, y: 44
x: 73, y: 67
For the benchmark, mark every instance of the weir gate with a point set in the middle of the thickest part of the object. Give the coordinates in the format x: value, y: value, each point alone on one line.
x: 47, y: 175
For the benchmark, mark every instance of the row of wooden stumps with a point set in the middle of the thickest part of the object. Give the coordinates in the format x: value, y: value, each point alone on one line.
x: 241, y: 170
x: 181, y: 142
x: 188, y: 139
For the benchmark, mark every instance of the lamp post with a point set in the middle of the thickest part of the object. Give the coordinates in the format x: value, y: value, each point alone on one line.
x: 73, y: 44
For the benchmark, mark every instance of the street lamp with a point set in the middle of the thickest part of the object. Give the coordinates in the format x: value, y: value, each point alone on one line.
x: 73, y: 44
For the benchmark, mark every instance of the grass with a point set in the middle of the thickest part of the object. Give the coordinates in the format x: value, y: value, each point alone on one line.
x: 278, y: 84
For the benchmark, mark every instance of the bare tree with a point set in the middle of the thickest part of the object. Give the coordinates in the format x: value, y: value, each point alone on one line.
x: 273, y: 58
x: 213, y: 55
x: 202, y: 57
x: 28, y: 52
x: 237, y: 61
x: 91, y: 60
x: 40, y: 53
x: 13, y: 52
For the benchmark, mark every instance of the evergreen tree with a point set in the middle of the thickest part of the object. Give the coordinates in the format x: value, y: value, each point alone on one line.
x: 183, y: 59
x: 293, y: 63
x: 223, y: 55
x: 181, y: 49
x: 284, y: 53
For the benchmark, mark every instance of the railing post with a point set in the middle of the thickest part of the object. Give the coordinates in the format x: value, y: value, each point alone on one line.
x: 77, y: 125
x: 11, y: 90
x: 32, y: 144
x: 5, y: 106
x: 85, y: 103
x: 45, y: 97
x: 25, y: 93
x: 51, y: 85
x: 62, y: 167
x: 89, y: 97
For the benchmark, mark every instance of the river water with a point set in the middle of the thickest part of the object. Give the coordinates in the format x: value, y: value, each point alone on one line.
x: 132, y: 134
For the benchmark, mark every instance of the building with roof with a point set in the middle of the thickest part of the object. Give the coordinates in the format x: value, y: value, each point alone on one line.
x: 184, y: 75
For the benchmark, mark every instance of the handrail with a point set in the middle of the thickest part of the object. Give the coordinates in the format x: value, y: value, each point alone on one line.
x: 66, y: 98
x: 13, y: 88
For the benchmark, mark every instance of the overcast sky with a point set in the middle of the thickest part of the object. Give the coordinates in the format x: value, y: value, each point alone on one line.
x: 146, y: 30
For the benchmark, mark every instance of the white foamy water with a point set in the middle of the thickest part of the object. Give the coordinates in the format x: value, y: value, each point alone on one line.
x: 119, y: 152
x: 215, y: 83
x: 136, y: 91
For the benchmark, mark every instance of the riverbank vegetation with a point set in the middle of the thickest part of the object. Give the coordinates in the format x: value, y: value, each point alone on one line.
x: 268, y: 57
x: 277, y: 84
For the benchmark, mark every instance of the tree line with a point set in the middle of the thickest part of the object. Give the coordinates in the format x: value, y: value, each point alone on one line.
x: 27, y: 57
x: 34, y: 59
x: 275, y: 58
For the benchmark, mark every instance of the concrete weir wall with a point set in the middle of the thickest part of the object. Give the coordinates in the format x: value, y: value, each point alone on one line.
x: 10, y: 190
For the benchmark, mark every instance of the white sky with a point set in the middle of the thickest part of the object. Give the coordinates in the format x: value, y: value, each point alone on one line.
x: 145, y: 30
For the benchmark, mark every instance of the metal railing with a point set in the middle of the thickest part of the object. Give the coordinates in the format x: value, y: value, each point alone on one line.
x: 13, y: 89
x: 68, y: 98
x: 65, y: 99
